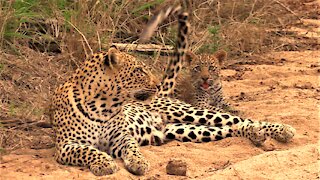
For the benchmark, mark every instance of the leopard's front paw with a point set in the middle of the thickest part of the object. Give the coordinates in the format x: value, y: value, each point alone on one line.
x: 103, y: 168
x: 137, y: 165
x: 285, y: 134
x: 257, y: 134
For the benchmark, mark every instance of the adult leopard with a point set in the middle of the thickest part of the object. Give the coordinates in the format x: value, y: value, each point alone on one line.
x: 112, y: 104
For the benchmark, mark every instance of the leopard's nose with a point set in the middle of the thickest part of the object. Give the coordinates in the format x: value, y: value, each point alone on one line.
x: 205, y: 79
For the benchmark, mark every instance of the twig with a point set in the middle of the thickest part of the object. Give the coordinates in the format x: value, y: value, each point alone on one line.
x: 84, y: 38
x: 288, y: 9
x: 201, y: 41
x: 85, y: 49
x: 218, y: 12
x: 195, y: 15
x: 232, y: 12
x: 99, y: 41
x: 159, y: 50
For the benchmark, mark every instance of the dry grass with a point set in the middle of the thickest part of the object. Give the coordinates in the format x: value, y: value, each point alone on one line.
x: 60, y: 26
x: 41, y: 43
x: 26, y: 84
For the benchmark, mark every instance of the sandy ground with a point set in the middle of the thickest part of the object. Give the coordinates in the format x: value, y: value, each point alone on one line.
x: 285, y: 90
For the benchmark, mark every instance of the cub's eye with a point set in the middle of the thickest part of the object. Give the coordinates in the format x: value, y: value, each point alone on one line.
x: 138, y: 69
x: 197, y: 68
x: 211, y: 68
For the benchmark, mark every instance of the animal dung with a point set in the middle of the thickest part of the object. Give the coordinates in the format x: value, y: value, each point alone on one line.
x: 177, y: 167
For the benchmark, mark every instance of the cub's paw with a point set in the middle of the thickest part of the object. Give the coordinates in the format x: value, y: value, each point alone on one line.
x: 137, y: 165
x: 103, y: 168
x: 231, y: 110
x: 284, y: 134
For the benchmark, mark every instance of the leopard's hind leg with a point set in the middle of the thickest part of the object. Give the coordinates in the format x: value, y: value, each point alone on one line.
x: 257, y: 132
x: 196, y: 133
x: 175, y: 111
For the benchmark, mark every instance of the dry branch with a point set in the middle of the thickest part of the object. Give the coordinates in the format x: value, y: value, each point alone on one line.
x: 143, y: 47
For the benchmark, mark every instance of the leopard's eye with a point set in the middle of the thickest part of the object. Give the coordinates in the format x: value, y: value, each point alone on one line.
x: 139, y: 70
x: 197, y: 68
x: 211, y: 68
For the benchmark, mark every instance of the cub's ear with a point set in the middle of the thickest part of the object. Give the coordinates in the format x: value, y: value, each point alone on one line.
x: 221, y: 55
x: 113, y: 46
x: 190, y: 56
x: 110, y: 59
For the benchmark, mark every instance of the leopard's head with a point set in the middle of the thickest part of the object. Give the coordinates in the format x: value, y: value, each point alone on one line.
x: 118, y: 73
x: 205, y: 69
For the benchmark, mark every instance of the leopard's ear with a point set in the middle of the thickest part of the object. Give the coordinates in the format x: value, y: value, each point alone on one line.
x: 110, y: 59
x: 221, y: 55
x: 190, y: 56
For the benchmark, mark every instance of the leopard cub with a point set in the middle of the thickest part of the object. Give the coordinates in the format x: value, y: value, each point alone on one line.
x: 200, y: 83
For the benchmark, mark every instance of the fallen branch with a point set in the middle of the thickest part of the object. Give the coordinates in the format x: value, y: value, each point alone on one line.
x: 144, y: 47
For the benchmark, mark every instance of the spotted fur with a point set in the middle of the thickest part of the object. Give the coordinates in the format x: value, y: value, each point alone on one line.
x: 200, y: 83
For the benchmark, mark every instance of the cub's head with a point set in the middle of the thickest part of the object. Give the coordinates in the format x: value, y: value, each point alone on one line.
x: 205, y: 69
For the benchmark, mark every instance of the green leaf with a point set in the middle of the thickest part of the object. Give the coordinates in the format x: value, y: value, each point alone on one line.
x: 146, y: 6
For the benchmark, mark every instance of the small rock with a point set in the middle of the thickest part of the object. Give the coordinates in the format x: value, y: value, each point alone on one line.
x: 155, y: 177
x: 305, y: 85
x: 314, y: 65
x: 283, y: 60
x: 268, y: 146
x: 177, y: 167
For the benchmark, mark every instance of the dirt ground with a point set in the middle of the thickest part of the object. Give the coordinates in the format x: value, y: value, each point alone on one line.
x: 278, y: 87
x: 286, y: 92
